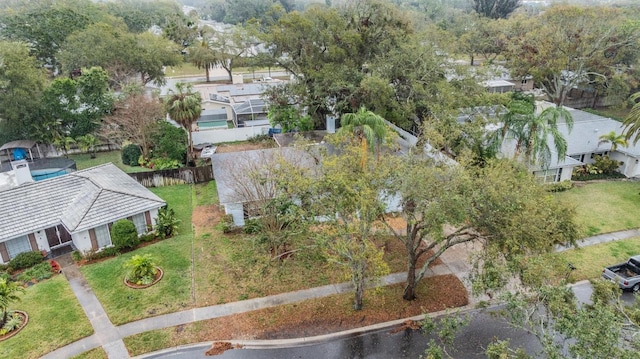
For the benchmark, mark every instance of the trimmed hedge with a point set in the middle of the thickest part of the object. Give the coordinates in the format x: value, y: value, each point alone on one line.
x: 25, y: 260
x: 124, y: 234
x: 130, y: 155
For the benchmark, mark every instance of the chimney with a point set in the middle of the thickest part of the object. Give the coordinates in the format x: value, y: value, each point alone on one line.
x: 22, y: 172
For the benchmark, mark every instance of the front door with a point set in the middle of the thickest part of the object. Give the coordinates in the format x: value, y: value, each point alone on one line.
x: 57, y: 236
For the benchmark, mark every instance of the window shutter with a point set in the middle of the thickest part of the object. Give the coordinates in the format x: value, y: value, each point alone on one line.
x: 4, y: 253
x: 33, y: 242
x: 94, y: 239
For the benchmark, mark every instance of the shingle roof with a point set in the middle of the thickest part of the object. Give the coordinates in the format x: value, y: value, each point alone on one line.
x: 232, y: 170
x: 80, y: 200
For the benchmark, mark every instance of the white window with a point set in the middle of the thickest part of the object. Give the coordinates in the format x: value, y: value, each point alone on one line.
x: 102, y: 236
x: 141, y: 223
x: 549, y: 176
x: 18, y: 245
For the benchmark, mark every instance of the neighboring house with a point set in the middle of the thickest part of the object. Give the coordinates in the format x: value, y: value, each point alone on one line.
x: 74, y: 210
x: 239, y: 192
x: 500, y: 73
x: 583, y: 142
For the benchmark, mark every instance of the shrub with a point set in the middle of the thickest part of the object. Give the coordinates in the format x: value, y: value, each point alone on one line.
x: 166, y: 223
x: 25, y: 260
x: 559, y: 186
x: 252, y: 226
x: 227, y: 224
x: 14, y: 321
x: 163, y: 163
x: 76, y: 256
x: 259, y: 138
x: 4, y: 267
x: 130, y: 154
x: 104, y: 253
x: 38, y: 272
x: 147, y: 237
x: 606, y: 164
x: 170, y: 142
x: 124, y: 234
x: 141, y: 269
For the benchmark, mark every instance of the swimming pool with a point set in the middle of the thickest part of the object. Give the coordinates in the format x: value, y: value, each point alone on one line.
x: 39, y: 175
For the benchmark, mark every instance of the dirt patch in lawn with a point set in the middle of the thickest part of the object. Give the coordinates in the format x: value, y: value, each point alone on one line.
x: 206, y: 217
x: 245, y: 146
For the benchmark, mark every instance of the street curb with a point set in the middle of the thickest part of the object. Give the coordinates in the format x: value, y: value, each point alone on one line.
x: 318, y: 339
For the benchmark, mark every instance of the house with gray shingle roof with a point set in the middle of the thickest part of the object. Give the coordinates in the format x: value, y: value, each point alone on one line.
x: 74, y: 210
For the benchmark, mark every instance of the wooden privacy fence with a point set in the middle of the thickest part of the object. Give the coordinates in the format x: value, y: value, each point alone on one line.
x: 172, y: 177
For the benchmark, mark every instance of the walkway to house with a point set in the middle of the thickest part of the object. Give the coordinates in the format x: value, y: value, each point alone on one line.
x: 109, y: 337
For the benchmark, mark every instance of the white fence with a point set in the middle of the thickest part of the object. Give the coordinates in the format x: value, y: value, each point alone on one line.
x: 228, y: 135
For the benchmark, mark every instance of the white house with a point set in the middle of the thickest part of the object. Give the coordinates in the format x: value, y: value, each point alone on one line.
x: 75, y: 209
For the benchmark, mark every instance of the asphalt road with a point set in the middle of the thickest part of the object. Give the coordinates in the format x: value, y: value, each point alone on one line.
x: 470, y: 343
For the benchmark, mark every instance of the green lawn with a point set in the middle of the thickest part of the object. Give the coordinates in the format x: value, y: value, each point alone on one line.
x: 173, y: 292
x: 55, y: 320
x: 606, y: 206
x: 84, y: 160
x: 97, y: 353
x: 589, y: 261
x: 615, y: 113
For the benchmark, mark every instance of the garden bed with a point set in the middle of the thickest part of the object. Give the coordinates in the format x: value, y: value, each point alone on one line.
x: 159, y: 275
x: 25, y: 321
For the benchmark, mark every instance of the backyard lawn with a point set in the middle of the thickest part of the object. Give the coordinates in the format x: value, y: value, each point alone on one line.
x: 605, y: 206
x: 84, y: 160
x: 589, y: 261
x: 55, y: 320
x: 173, y: 255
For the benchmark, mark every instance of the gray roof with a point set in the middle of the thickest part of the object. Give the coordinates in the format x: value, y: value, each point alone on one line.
x: 245, y: 89
x: 232, y: 171
x: 587, y: 129
x: 80, y: 200
x: 18, y: 144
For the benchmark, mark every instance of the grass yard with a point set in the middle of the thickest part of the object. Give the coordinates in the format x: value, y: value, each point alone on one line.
x: 232, y: 267
x: 84, y: 160
x: 605, y: 206
x: 173, y: 292
x: 589, y: 261
x: 55, y: 320
x: 309, y: 318
x: 97, y: 353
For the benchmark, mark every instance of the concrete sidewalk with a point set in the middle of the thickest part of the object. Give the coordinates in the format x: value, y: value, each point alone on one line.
x: 455, y: 260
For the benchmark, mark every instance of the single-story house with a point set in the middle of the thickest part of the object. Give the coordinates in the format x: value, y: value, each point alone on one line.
x: 583, y: 145
x: 583, y: 142
x: 75, y: 209
x: 238, y: 189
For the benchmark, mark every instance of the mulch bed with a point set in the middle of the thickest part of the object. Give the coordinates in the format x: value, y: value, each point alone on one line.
x: 326, y: 315
x: 159, y: 275
x: 25, y: 321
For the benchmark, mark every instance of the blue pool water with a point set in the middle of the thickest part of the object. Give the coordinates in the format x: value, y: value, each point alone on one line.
x: 39, y: 175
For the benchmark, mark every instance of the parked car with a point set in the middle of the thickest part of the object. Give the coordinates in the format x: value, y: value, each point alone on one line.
x: 626, y: 274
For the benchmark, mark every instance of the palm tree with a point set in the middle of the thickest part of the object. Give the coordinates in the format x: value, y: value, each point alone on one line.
x: 368, y: 127
x: 203, y: 57
x: 86, y: 143
x: 64, y: 144
x: 184, y: 105
x: 532, y: 132
x: 8, y: 294
x: 632, y: 122
x: 614, y: 139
